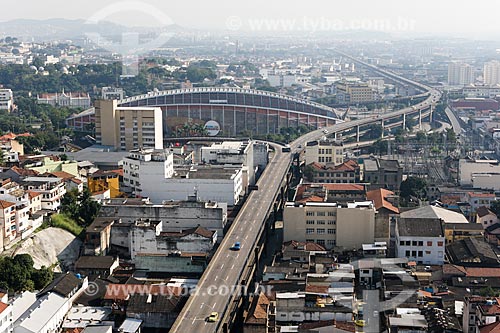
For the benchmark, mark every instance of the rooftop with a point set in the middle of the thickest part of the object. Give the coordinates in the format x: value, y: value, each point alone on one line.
x: 95, y: 262
x: 379, y: 198
x: 419, y: 227
x: 435, y: 212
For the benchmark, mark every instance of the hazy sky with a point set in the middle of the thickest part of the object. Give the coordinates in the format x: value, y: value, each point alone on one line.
x: 459, y: 17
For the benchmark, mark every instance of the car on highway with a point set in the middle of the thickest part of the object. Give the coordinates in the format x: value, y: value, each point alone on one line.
x: 214, y: 316
x: 236, y: 246
x: 360, y: 323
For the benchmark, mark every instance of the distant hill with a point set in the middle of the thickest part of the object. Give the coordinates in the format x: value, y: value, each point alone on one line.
x: 57, y: 29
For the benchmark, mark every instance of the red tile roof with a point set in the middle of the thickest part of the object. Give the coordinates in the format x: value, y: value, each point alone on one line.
x: 33, y: 194
x: 3, y: 306
x: 379, y: 199
x: 481, y: 195
x: 482, y: 272
x: 308, y: 246
x: 491, y: 328
x: 61, y: 174
x: 5, y: 204
x: 24, y: 172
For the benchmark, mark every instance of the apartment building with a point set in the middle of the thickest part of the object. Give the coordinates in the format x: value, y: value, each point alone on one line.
x: 353, y: 92
x: 460, y: 74
x: 239, y: 153
x: 324, y: 152
x: 128, y: 128
x: 347, y: 172
x: 144, y: 169
x: 491, y: 73
x: 52, y: 190
x: 6, y: 99
x: 311, y: 218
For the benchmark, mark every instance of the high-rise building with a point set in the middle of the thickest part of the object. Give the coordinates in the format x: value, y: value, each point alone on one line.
x: 491, y: 73
x: 128, y: 128
x: 460, y: 74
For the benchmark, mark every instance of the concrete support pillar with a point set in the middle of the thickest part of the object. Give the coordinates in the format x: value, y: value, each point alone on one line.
x: 357, y: 133
x: 404, y: 121
x: 420, y: 119
x: 430, y: 114
x: 383, y: 129
x: 267, y: 122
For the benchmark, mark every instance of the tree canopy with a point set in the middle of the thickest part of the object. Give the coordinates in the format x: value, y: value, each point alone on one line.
x: 17, y: 274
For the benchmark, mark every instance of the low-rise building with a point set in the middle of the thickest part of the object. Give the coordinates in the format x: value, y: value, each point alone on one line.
x: 347, y: 172
x: 105, y: 180
x: 155, y: 311
x: 385, y: 202
x: 458, y: 231
x: 71, y: 99
x: 472, y: 252
x: 175, y: 217
x: 382, y: 173
x: 146, y: 237
x: 469, y: 169
x: 485, y: 217
x: 98, y: 236
x: 324, y: 152
x: 207, y: 182
x: 46, y: 314
x: 52, y: 190
x: 96, y: 266
x: 420, y: 240
x: 479, y: 199
x: 5, y: 314
x: 48, y: 164
x: 112, y: 93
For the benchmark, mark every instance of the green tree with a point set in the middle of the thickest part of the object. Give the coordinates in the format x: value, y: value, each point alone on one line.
x: 70, y: 205
x: 42, y: 277
x: 89, y: 208
x: 309, y: 173
x: 413, y: 187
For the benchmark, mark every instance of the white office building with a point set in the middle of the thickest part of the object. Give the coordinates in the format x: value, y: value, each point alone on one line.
x: 144, y: 169
x: 235, y: 153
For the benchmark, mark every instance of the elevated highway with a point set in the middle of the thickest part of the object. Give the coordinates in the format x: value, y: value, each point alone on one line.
x: 230, y: 271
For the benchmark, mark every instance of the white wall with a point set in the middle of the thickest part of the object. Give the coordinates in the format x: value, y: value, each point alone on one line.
x: 436, y: 256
